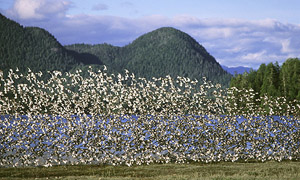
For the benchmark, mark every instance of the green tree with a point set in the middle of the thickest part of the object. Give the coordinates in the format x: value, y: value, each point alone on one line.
x: 290, y: 78
x: 260, y: 74
x: 271, y: 81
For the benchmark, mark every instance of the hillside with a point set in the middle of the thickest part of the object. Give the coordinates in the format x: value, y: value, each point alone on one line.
x: 35, y: 48
x: 165, y: 51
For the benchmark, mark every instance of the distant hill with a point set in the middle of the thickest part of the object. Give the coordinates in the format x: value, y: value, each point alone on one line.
x: 238, y: 69
x: 165, y: 51
x: 35, y: 48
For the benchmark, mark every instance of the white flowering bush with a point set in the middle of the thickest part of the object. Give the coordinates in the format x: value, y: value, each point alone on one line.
x: 115, y: 119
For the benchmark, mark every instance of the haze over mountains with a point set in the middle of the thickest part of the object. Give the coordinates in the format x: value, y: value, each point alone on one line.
x: 236, y: 70
x: 165, y: 51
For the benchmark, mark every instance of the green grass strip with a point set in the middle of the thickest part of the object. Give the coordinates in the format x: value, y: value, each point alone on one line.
x: 222, y: 170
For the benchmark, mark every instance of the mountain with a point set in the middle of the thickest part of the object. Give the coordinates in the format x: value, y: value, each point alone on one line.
x: 165, y: 51
x: 35, y: 48
x: 237, y: 70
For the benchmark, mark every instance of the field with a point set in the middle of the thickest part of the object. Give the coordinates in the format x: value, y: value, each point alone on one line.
x: 222, y: 170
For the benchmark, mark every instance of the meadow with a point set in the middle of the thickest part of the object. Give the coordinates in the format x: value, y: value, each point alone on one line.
x: 223, y: 170
x: 75, y: 121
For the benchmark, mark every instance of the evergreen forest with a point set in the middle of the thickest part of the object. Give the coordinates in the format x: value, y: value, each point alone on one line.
x: 272, y: 80
x: 165, y: 51
x: 34, y: 48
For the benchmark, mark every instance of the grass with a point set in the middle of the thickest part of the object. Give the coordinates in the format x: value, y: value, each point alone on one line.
x: 193, y: 171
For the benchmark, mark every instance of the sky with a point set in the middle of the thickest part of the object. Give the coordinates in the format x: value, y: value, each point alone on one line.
x: 236, y: 32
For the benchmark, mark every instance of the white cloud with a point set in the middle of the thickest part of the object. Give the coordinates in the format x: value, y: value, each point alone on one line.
x: 286, y: 46
x: 216, y: 33
x: 237, y: 42
x: 258, y: 56
x: 38, y: 9
x: 26, y: 9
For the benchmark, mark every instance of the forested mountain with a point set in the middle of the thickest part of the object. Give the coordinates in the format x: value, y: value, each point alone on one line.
x: 35, y: 48
x: 165, y: 51
x: 272, y: 79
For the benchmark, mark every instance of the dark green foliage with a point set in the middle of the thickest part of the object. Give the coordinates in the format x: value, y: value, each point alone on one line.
x: 165, y: 51
x: 31, y: 48
x: 271, y: 84
x: 272, y: 80
x: 290, y: 78
x: 37, y: 49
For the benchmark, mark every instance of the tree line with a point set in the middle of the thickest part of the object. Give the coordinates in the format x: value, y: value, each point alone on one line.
x: 272, y: 80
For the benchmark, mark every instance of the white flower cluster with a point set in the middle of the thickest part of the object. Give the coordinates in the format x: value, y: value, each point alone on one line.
x: 111, y: 119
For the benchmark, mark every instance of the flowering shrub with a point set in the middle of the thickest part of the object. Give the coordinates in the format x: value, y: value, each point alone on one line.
x: 114, y: 119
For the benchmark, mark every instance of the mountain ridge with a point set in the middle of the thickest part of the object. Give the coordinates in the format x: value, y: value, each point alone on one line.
x: 165, y: 51
x: 36, y: 48
x: 30, y: 47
